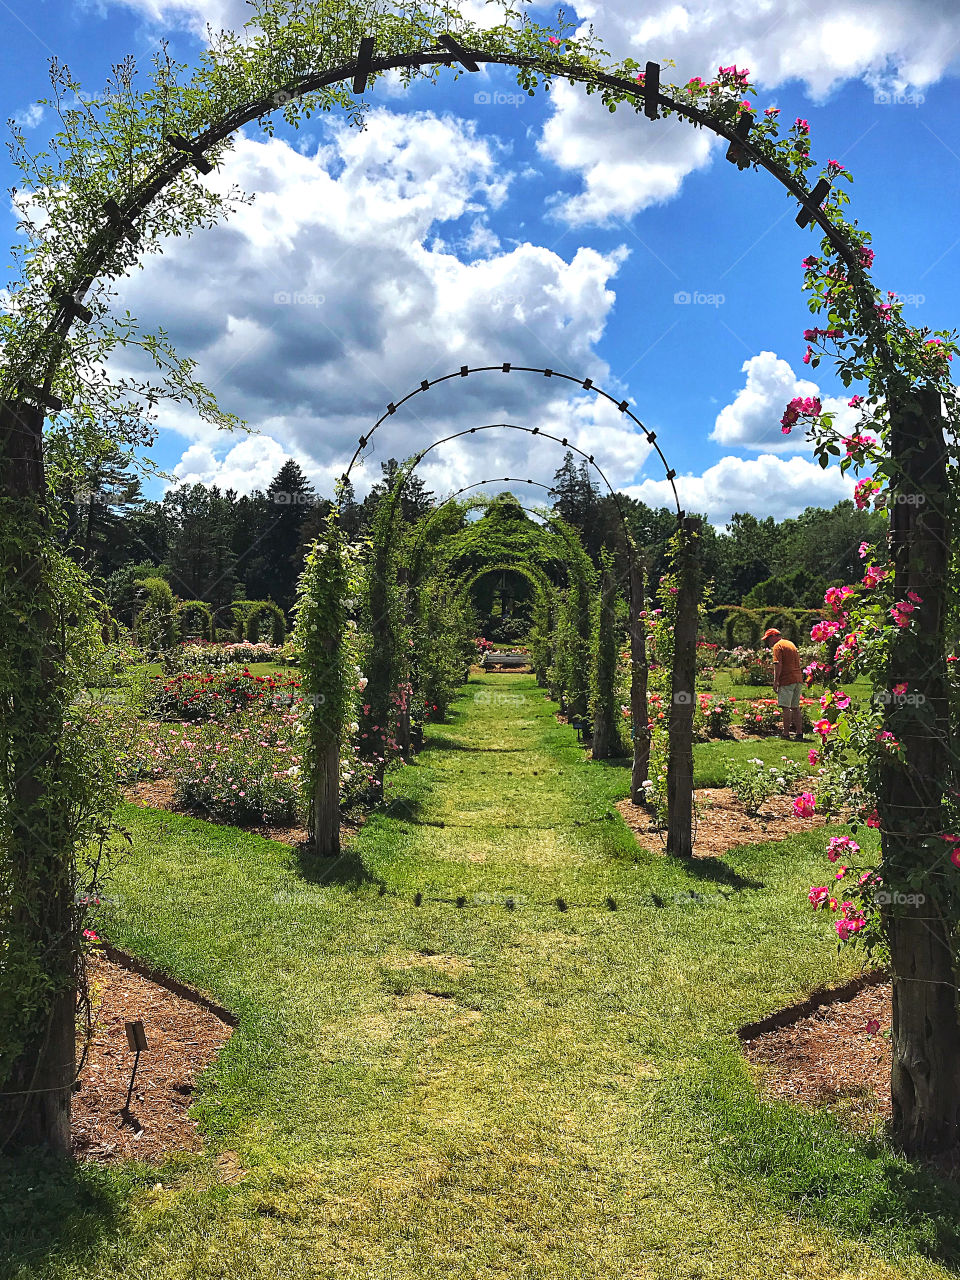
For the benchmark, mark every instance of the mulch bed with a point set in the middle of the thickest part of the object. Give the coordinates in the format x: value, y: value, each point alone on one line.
x: 182, y: 1038
x: 721, y: 823
x: 830, y: 1058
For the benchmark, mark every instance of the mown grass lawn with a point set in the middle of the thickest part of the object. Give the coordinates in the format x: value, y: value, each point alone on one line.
x: 441, y: 1091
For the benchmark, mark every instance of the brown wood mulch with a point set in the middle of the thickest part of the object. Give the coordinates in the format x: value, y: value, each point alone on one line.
x: 834, y: 1057
x: 183, y: 1038
x: 721, y: 823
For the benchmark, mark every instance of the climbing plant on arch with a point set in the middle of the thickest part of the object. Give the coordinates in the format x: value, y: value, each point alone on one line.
x: 124, y: 173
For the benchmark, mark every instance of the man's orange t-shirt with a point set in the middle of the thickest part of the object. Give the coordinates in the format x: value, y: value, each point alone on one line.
x: 786, y: 654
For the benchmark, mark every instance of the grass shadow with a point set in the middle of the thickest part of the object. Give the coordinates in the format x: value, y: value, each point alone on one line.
x: 810, y: 1163
x: 348, y: 870
x: 716, y: 871
x: 51, y: 1208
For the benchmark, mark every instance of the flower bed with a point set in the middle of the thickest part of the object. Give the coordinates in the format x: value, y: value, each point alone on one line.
x: 243, y: 769
x: 198, y: 655
x: 763, y: 716
x: 211, y: 696
x: 713, y: 716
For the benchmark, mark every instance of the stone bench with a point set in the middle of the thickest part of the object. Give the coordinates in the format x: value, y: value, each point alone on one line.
x: 493, y: 659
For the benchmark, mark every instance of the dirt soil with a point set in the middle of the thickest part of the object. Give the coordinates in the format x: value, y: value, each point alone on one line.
x: 182, y: 1038
x: 721, y: 823
x: 834, y: 1057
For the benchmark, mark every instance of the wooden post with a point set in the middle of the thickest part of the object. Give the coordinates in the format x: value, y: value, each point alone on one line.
x: 925, y: 1076
x: 639, y: 711
x: 683, y: 701
x: 404, y: 742
x: 606, y: 739
x: 325, y: 801
x: 35, y: 1091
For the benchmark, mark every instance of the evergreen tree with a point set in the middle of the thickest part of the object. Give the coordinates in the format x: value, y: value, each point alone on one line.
x: 291, y: 497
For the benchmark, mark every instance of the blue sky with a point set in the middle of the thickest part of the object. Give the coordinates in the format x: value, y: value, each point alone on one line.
x: 472, y: 224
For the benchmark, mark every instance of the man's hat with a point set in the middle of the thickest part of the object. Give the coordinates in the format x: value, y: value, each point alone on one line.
x: 771, y: 632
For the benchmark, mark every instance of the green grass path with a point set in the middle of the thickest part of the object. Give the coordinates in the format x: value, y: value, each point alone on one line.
x: 441, y: 1091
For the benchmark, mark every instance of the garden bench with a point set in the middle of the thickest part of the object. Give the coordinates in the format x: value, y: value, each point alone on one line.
x: 493, y: 659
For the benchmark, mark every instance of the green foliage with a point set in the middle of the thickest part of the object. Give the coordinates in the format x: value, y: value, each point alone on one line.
x: 156, y: 627
x: 58, y: 787
x: 442, y: 645
x: 604, y: 703
x: 326, y: 640
x: 753, y: 782
x: 260, y: 615
x: 193, y: 618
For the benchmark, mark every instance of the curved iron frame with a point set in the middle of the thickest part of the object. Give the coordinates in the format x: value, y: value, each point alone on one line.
x: 585, y: 384
x: 120, y: 214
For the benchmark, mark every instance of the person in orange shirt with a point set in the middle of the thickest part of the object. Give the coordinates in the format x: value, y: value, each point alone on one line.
x: 787, y: 681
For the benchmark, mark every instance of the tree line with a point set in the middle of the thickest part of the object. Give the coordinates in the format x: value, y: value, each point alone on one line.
x: 219, y: 545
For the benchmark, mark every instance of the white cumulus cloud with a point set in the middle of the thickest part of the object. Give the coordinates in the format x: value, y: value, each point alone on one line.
x: 752, y: 419
x: 357, y: 272
x: 889, y: 44
x: 765, y: 486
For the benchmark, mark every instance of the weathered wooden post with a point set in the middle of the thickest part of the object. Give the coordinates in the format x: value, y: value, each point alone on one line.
x: 639, y: 710
x: 325, y: 798
x: 925, y: 1076
x: 606, y: 738
x: 405, y: 691
x: 40, y: 924
x: 683, y: 700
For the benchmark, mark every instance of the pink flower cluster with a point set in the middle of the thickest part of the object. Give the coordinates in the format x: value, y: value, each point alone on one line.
x: 864, y: 490
x: 740, y: 77
x: 874, y: 575
x: 851, y: 922
x: 841, y: 846
x: 805, y: 805
x: 901, y: 611
x: 835, y: 596
x: 821, y: 632
x: 808, y: 406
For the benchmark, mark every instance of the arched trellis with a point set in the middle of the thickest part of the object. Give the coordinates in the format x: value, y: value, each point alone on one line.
x: 391, y: 607
x: 544, y: 595
x: 417, y: 458
x: 33, y: 380
x: 28, y: 390
x: 429, y: 519
x: 586, y: 384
